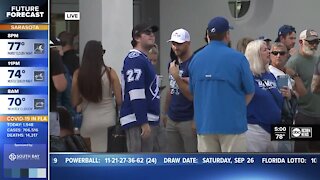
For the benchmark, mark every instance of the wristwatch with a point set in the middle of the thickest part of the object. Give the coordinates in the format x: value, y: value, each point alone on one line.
x: 295, y: 75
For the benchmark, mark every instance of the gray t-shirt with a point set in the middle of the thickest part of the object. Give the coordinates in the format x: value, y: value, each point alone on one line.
x: 310, y: 103
x: 317, y: 68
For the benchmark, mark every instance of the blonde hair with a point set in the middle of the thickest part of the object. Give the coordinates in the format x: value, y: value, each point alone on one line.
x: 252, y: 53
x: 279, y: 45
x: 242, y: 44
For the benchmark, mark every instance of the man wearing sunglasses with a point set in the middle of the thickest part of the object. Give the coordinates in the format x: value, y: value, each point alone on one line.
x: 139, y: 114
x: 279, y: 56
x: 308, y: 106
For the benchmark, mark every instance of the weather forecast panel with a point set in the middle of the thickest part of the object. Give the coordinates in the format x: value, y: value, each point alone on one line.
x: 24, y: 89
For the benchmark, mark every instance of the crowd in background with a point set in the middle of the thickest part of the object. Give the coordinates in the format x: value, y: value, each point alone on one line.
x: 218, y: 99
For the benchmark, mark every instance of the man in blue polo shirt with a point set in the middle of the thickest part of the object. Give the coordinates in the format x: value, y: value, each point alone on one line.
x: 222, y: 85
x: 181, y: 136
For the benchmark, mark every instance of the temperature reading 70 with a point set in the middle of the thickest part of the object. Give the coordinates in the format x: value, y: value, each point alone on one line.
x: 16, y: 101
x: 16, y: 73
x: 15, y: 43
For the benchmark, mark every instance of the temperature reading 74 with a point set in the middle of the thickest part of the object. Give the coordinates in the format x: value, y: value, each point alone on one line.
x: 16, y: 73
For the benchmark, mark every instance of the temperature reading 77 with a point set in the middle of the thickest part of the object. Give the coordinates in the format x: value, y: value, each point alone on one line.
x: 16, y: 101
x: 16, y: 73
x: 12, y: 44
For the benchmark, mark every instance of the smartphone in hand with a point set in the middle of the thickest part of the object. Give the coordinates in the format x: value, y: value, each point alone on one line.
x: 282, y: 81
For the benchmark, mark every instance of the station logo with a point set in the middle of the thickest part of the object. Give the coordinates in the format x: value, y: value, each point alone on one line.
x: 301, y: 132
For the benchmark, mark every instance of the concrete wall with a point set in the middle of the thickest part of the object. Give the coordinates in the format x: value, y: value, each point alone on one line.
x: 90, y: 22
x: 117, y: 23
x: 147, y: 11
x: 263, y: 18
x: 61, y: 6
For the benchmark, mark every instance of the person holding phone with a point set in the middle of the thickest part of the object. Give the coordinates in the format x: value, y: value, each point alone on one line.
x: 279, y: 57
x: 266, y: 104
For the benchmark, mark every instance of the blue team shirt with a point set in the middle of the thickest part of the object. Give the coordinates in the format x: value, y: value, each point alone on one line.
x: 220, y: 78
x: 264, y: 108
x: 140, y: 91
x: 180, y: 109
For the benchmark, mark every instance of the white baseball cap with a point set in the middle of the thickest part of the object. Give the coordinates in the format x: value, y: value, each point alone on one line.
x: 309, y: 35
x: 179, y: 36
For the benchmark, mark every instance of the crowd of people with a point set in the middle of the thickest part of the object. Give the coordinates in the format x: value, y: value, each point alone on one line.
x: 219, y: 99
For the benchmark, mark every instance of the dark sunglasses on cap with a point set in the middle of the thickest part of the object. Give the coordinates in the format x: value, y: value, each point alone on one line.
x: 147, y: 31
x: 278, y: 52
x: 313, y: 42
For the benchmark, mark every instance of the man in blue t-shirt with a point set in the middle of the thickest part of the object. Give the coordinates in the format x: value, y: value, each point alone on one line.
x: 222, y: 85
x: 181, y: 135
x: 139, y: 114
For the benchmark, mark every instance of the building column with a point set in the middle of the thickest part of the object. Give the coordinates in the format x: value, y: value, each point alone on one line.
x: 111, y: 23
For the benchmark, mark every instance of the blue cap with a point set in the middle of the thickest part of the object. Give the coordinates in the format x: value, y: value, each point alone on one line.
x: 218, y: 25
x: 284, y: 30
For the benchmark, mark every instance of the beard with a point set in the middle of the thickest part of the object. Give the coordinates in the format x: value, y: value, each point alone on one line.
x: 308, y: 51
x: 179, y: 52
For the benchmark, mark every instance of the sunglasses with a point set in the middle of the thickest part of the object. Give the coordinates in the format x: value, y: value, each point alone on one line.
x: 103, y: 51
x: 278, y: 52
x: 147, y: 31
x: 313, y: 42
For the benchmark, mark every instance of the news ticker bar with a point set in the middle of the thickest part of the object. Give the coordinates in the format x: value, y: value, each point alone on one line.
x: 295, y: 132
x: 101, y: 160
